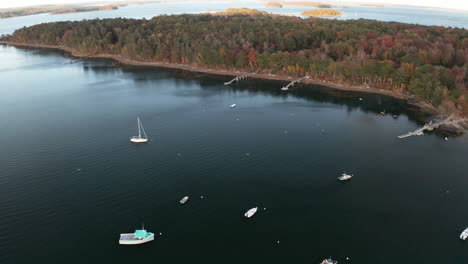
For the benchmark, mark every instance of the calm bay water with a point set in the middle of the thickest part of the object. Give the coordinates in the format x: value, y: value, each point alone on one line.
x: 399, y: 14
x: 71, y: 181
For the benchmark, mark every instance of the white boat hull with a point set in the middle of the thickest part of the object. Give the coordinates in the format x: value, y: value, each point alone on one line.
x: 464, y: 234
x: 251, y: 212
x: 128, y: 239
x: 344, y: 178
x: 139, y: 140
x: 184, y: 200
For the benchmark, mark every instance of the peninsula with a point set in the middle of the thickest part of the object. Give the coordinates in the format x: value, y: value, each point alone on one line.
x: 63, y: 9
x: 425, y: 63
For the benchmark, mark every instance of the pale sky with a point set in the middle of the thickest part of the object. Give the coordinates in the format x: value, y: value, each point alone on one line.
x: 457, y: 4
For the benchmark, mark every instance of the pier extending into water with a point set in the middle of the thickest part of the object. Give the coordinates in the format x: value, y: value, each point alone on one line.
x: 238, y: 78
x: 293, y: 82
x: 449, y: 121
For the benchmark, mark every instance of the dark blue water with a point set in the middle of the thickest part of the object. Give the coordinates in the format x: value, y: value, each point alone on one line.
x: 71, y: 181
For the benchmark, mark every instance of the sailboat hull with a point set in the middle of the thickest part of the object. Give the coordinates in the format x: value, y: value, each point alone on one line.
x: 139, y: 140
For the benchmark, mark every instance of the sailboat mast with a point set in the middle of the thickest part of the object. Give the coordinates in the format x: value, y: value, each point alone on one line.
x: 139, y: 131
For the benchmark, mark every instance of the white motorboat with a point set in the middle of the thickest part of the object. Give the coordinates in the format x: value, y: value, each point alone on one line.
x: 233, y: 105
x: 251, y: 212
x: 329, y: 261
x: 464, y: 234
x: 284, y: 89
x: 139, y: 237
x: 139, y: 138
x: 184, y: 200
x: 345, y: 177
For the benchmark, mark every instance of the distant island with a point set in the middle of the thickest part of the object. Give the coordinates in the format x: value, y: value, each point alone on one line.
x: 424, y: 63
x: 322, y: 13
x: 66, y: 10
x: 273, y: 5
x: 63, y: 9
x: 242, y: 11
x: 312, y: 4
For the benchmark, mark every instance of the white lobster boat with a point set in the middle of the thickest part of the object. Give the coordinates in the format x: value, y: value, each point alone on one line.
x: 139, y: 237
x: 139, y: 138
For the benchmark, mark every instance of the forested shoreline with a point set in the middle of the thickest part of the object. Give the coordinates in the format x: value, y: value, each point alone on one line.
x: 428, y: 62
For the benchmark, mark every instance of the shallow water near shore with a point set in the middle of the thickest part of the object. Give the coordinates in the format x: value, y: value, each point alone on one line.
x: 71, y: 181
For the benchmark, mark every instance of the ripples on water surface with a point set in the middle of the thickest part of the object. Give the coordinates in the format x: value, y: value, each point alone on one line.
x: 71, y: 181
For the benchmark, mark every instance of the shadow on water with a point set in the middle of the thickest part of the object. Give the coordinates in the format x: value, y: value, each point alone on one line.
x: 353, y: 100
x: 370, y: 103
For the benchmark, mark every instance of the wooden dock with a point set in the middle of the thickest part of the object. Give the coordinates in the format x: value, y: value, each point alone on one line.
x: 293, y: 82
x: 449, y: 121
x: 238, y: 78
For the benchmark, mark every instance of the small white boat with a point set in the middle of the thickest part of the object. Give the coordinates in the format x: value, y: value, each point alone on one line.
x: 446, y: 138
x: 139, y: 138
x: 382, y: 113
x: 329, y: 261
x: 139, y: 237
x: 233, y: 105
x: 345, y: 177
x: 284, y: 89
x: 251, y: 212
x: 464, y: 234
x: 395, y: 116
x: 184, y: 200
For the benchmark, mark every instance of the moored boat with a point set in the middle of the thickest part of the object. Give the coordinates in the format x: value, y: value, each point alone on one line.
x: 345, y: 177
x: 139, y: 237
x: 139, y: 138
x: 464, y: 234
x: 184, y: 200
x: 251, y: 212
x: 329, y: 261
x: 284, y: 89
x: 233, y: 105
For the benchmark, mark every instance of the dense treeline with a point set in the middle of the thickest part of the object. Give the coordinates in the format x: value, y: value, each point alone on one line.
x: 430, y: 62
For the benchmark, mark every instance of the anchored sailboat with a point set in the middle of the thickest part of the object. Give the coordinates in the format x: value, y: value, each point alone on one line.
x: 139, y: 138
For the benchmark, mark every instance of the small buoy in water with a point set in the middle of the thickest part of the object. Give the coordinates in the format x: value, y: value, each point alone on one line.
x: 201, y: 197
x: 347, y: 258
x: 247, y: 154
x: 277, y: 242
x: 286, y: 132
x: 446, y: 138
x: 360, y: 98
x: 160, y: 234
x: 264, y: 208
x: 78, y: 169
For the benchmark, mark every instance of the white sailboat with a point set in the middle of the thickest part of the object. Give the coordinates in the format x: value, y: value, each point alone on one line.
x: 139, y: 138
